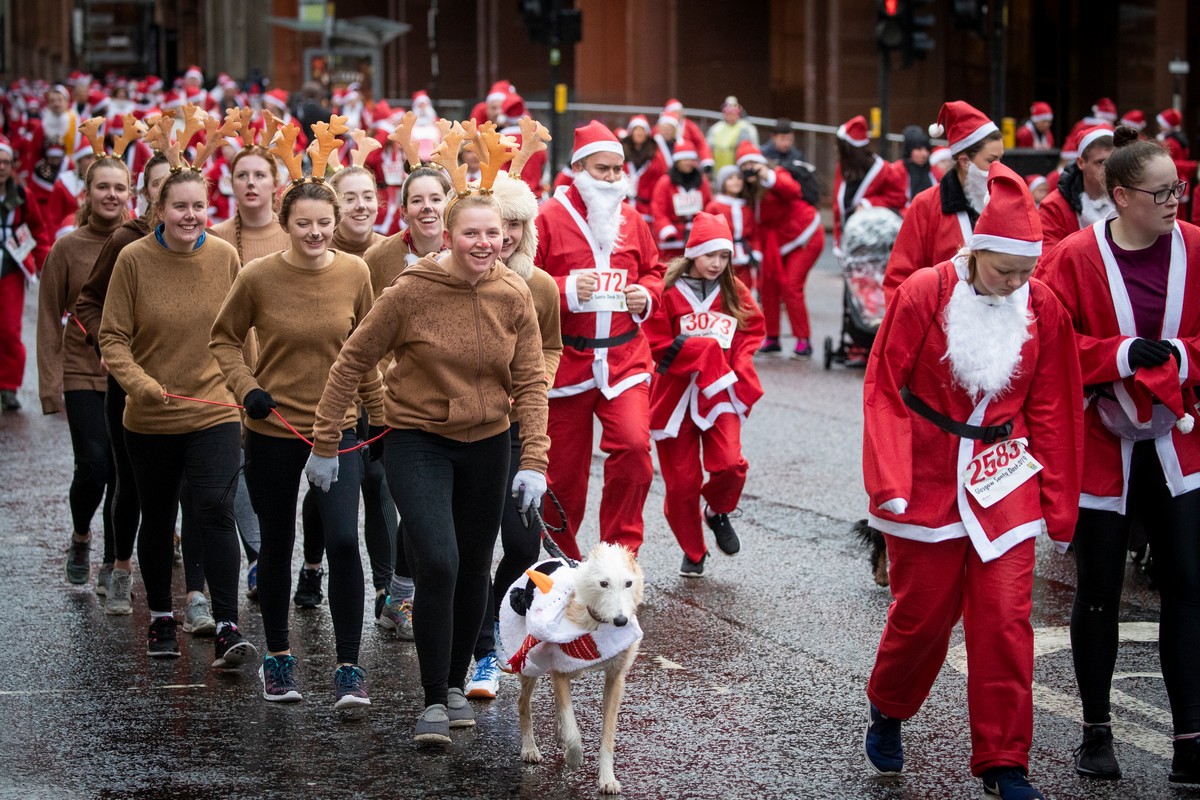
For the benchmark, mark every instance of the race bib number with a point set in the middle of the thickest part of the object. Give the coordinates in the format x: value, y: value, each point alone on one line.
x: 712, y: 324
x: 19, y: 245
x: 610, y: 290
x: 393, y: 172
x: 996, y: 473
x: 688, y: 204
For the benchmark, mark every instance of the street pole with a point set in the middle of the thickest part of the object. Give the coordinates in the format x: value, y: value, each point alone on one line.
x: 885, y: 80
x: 555, y: 60
x: 999, y: 50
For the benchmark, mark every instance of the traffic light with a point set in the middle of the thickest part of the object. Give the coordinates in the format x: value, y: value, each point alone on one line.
x: 889, y: 28
x: 918, y: 22
x: 549, y: 23
x: 970, y: 15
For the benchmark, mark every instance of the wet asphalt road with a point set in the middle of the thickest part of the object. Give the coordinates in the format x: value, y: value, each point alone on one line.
x: 749, y: 683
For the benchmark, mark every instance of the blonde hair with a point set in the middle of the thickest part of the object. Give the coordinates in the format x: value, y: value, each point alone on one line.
x: 85, y: 211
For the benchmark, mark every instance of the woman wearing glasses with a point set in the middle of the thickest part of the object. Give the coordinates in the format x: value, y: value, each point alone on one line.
x: 1130, y: 285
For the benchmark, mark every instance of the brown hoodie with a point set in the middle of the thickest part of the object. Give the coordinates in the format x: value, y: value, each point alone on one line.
x: 460, y: 352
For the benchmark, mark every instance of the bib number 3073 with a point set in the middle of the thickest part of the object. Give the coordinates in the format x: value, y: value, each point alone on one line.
x: 713, y: 324
x: 996, y: 473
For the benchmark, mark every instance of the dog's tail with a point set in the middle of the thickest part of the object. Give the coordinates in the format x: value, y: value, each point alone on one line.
x: 873, y: 538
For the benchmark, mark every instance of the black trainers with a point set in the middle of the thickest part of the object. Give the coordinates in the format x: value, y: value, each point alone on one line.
x: 770, y: 345
x: 78, y: 566
x: 883, y: 744
x: 160, y: 640
x: 692, y: 569
x: 9, y: 401
x: 350, y: 686
x: 1009, y: 783
x: 727, y: 539
x: 1094, y: 758
x: 308, y: 588
x: 231, y: 649
x: 1185, y: 765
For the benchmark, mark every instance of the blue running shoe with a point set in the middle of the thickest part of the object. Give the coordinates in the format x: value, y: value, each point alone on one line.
x: 885, y: 751
x: 1009, y: 783
x: 278, y: 679
x: 350, y: 686
x: 252, y: 581
x: 485, y: 683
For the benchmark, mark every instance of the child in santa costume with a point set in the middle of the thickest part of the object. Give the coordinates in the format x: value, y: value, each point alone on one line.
x: 970, y: 445
x: 678, y: 197
x: 1129, y: 284
x: 729, y: 202
x: 862, y: 179
x: 703, y: 337
x: 940, y: 219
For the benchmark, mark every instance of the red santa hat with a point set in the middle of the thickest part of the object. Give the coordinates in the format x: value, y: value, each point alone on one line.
x: 710, y: 234
x: 171, y: 100
x: 1041, y: 112
x: 1105, y: 108
x: 747, y: 152
x: 500, y: 90
x: 938, y: 155
x: 192, y: 92
x: 1159, y: 383
x: 962, y: 124
x: 684, y: 150
x: 115, y: 125
x: 277, y: 96
x: 595, y: 137
x: 53, y: 148
x: 1169, y: 118
x: 673, y: 105
x: 1009, y: 222
x: 1089, y: 136
x: 1135, y: 119
x: 97, y: 101
x: 854, y: 131
x: 77, y: 78
x: 514, y: 107
x: 639, y: 122
x: 154, y: 83
x: 1034, y: 181
x: 669, y: 118
x: 194, y: 73
x: 420, y: 95
x: 6, y: 145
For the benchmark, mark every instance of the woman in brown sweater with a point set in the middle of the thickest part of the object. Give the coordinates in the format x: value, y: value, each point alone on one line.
x: 165, y: 292
x: 464, y: 339
x: 89, y: 310
x: 358, y: 204
x: 70, y: 376
x: 302, y: 303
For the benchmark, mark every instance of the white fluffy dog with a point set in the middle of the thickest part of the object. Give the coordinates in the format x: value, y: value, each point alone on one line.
x: 567, y: 621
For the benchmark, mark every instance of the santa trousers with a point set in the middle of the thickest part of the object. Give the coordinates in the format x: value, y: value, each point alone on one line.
x: 12, y: 351
x: 933, y: 585
x: 680, y: 461
x: 625, y: 438
x: 796, y: 266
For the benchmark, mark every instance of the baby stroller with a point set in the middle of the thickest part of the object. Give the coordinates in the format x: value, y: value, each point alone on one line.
x: 867, y: 241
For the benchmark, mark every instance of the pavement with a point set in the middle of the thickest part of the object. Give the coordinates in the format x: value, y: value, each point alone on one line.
x: 749, y: 683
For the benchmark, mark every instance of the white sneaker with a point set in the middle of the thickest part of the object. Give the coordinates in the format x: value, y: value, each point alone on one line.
x: 197, y: 619
x: 485, y: 683
x: 118, y: 600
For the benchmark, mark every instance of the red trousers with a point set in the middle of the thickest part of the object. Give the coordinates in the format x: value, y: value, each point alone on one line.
x: 683, y: 474
x: 628, y: 470
x: 933, y: 585
x: 790, y: 284
x: 12, y: 351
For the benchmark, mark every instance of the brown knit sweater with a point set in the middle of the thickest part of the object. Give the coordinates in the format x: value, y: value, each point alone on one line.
x: 386, y: 260
x: 256, y: 242
x: 460, y: 352
x: 302, y: 317
x: 89, y: 307
x: 66, y: 362
x: 546, y: 305
x: 344, y: 245
x: 154, y: 337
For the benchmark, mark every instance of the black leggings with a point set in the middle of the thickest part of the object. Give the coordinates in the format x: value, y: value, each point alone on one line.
x: 521, y: 546
x: 451, y: 496
x: 379, y: 520
x: 209, y: 459
x: 274, y: 466
x: 1101, y: 543
x: 93, y: 479
x: 125, y: 506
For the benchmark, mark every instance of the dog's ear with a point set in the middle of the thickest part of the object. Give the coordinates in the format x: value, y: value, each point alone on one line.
x: 639, y: 580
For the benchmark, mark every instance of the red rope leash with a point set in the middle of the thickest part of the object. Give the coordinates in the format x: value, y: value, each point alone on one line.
x: 80, y: 324
x: 286, y: 424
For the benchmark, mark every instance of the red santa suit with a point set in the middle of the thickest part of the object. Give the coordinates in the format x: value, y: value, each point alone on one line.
x: 677, y: 198
x: 1029, y: 136
x: 221, y: 202
x: 703, y: 390
x: 1177, y: 145
x: 532, y: 172
x: 391, y: 168
x: 12, y: 281
x: 689, y: 130
x: 937, y: 224
x: 881, y: 186
x: 739, y: 215
x: 645, y: 177
x: 606, y: 366
x: 1085, y: 276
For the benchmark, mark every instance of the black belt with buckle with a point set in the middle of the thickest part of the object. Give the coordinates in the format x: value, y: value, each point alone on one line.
x: 988, y: 433
x: 584, y: 343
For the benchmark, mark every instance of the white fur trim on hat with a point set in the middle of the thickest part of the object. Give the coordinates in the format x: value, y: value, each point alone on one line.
x: 1162, y: 121
x: 597, y: 147
x: 1003, y: 244
x: 845, y: 137
x: 1090, y: 139
x: 684, y: 155
x: 1041, y: 117
x: 711, y: 246
x: 755, y: 157
x: 980, y: 133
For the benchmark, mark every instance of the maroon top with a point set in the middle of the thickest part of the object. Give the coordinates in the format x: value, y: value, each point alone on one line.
x: 1145, y: 273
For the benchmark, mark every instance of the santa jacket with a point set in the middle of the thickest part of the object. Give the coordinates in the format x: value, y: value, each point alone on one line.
x: 671, y: 229
x: 936, y: 226
x: 882, y: 186
x: 533, y: 170
x: 25, y: 213
x: 1086, y: 278
x: 1028, y: 136
x: 695, y: 376
x: 221, y: 202
x: 740, y: 216
x: 643, y: 180
x: 782, y: 216
x: 565, y: 244
x: 913, y: 469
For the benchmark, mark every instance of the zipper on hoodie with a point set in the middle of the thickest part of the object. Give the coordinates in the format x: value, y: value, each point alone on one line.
x: 478, y: 353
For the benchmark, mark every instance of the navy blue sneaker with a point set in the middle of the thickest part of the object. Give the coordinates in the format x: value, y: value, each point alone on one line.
x: 885, y: 751
x: 1009, y: 783
x: 350, y: 686
x: 277, y: 674
x: 252, y: 581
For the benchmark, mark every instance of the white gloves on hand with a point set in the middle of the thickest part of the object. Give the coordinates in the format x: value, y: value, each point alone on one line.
x: 528, y: 488
x: 321, y: 471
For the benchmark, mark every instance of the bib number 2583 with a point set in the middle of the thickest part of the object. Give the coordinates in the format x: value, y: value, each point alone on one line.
x: 998, y: 471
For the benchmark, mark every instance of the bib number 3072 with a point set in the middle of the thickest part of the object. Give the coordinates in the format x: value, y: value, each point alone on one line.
x: 996, y: 473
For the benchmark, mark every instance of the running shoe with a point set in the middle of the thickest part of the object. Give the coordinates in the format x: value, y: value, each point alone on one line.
x: 727, y: 538
x: 882, y: 743
x: 803, y: 349
x: 9, y: 401
x: 433, y: 726
x: 458, y: 710
x: 1095, y: 757
x: 1009, y: 783
x: 308, y: 588
x: 197, y: 618
x: 350, y: 686
x: 1185, y: 765
x: 692, y: 569
x: 277, y: 674
x: 252, y: 581
x: 119, y: 597
x: 485, y: 683
x: 396, y: 617
x: 770, y: 345
x: 160, y: 639
x: 231, y: 649
x: 102, y: 576
x: 78, y: 565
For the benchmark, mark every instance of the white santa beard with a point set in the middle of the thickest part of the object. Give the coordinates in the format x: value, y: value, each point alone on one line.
x: 55, y: 125
x: 976, y: 188
x: 984, y: 337
x: 1092, y: 211
x: 603, y: 201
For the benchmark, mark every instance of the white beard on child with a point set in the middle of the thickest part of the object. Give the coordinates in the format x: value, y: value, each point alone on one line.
x: 984, y: 337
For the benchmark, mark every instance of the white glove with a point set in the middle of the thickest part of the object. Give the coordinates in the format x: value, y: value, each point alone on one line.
x: 321, y: 471
x: 528, y: 488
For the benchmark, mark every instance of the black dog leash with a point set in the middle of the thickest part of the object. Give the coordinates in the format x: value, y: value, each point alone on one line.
x: 545, y: 530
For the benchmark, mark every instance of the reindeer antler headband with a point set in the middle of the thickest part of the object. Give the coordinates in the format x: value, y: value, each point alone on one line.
x: 196, y: 119
x: 494, y: 152
x: 324, y: 146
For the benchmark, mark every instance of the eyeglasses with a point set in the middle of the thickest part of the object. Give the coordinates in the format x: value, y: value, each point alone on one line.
x: 1163, y: 195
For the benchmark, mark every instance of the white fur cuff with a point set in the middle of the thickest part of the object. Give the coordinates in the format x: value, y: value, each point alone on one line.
x: 897, y: 506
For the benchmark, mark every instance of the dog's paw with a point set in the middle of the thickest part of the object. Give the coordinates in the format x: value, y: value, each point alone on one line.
x: 610, y: 786
x: 531, y: 755
x: 573, y: 754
